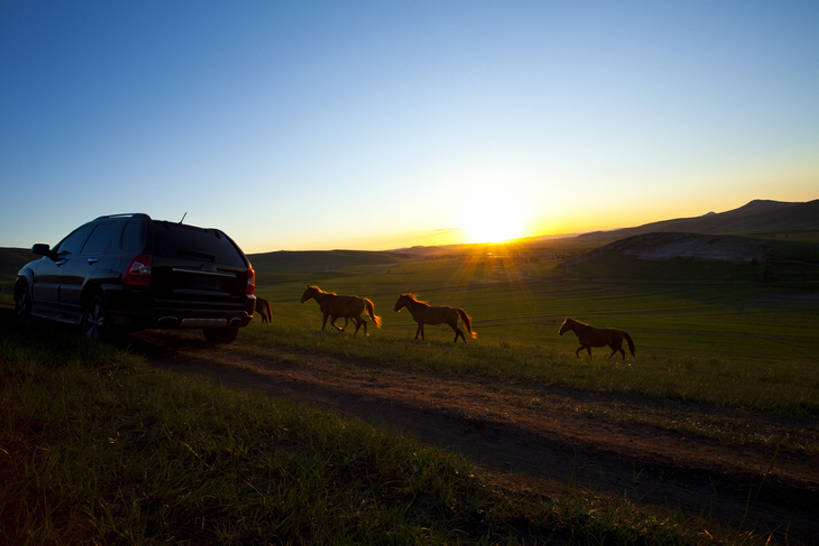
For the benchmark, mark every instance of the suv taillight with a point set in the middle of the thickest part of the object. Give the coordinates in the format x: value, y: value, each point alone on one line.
x: 138, y: 272
x: 251, y: 282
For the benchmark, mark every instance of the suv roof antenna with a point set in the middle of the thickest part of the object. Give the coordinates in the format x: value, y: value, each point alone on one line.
x: 183, y: 216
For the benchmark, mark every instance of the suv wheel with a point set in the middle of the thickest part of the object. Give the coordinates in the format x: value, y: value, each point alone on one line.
x: 22, y: 299
x: 93, y: 322
x: 221, y: 335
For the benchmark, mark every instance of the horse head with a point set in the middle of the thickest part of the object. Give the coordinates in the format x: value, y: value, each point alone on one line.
x: 402, y: 301
x: 567, y: 325
x: 309, y: 292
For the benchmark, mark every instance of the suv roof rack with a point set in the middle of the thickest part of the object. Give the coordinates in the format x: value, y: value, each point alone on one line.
x: 124, y: 215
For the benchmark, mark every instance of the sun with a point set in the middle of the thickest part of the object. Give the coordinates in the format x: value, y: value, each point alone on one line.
x: 491, y: 217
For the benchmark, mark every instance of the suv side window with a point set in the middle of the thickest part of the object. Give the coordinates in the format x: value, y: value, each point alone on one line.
x: 73, y: 242
x: 104, y: 239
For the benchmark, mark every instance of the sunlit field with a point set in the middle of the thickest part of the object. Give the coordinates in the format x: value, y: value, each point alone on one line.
x: 723, y: 356
x: 728, y: 342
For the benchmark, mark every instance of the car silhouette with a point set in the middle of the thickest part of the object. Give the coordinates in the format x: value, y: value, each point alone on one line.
x: 129, y: 272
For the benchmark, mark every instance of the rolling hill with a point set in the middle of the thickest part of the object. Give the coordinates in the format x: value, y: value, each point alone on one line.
x: 674, y: 256
x: 11, y: 260
x: 756, y: 218
x: 285, y: 261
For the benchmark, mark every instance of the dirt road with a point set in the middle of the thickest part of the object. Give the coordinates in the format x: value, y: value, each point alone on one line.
x: 544, y: 438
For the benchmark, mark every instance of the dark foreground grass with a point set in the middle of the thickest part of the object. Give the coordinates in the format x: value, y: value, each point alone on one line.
x: 97, y: 447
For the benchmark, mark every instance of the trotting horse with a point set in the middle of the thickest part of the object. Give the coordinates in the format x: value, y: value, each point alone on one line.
x: 426, y: 314
x: 335, y: 306
x: 589, y: 337
x: 263, y: 308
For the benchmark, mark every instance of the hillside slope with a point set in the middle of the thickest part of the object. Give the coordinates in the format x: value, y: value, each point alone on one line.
x: 755, y: 218
x: 690, y: 256
x: 318, y: 260
x: 11, y: 260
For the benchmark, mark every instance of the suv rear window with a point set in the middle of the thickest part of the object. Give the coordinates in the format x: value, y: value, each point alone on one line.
x: 182, y: 241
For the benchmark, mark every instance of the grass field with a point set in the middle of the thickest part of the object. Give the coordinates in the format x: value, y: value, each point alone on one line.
x: 745, y: 343
x: 97, y: 446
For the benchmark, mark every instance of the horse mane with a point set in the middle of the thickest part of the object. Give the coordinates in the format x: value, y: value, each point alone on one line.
x: 319, y: 290
x: 570, y: 320
x: 414, y: 298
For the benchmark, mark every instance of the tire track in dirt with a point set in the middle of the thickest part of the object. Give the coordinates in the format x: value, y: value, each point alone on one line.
x: 541, y: 438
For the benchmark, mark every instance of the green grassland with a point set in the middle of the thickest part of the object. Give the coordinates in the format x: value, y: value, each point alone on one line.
x: 728, y: 341
x: 707, y: 331
x: 98, y: 447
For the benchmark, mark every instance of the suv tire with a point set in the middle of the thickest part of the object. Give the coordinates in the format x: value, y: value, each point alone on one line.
x: 93, y: 322
x: 22, y: 299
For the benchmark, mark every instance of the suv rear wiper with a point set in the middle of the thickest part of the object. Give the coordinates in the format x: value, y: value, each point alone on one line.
x: 195, y: 254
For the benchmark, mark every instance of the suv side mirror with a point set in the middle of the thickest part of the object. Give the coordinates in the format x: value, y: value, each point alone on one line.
x: 43, y: 250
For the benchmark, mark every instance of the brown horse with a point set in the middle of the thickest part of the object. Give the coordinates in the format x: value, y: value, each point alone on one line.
x: 597, y: 337
x: 426, y: 314
x: 335, y: 306
x: 263, y: 308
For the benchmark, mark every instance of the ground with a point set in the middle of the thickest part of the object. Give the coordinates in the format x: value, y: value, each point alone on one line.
x: 542, y: 438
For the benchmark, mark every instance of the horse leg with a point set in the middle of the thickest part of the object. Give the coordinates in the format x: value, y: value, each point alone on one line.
x: 333, y: 323
x: 614, y: 348
x: 617, y: 347
x: 418, y: 330
x: 577, y: 352
x: 421, y: 326
x: 458, y: 332
x: 324, y: 323
x: 358, y: 323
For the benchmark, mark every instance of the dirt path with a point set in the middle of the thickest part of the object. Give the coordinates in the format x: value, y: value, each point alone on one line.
x: 543, y: 438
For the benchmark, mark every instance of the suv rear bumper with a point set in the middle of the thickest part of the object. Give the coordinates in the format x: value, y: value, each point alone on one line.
x: 137, y: 309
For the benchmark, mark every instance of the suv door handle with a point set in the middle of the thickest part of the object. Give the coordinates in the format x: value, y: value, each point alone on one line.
x: 92, y: 261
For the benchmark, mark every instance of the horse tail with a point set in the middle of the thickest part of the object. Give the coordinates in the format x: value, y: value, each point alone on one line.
x: 371, y: 311
x: 630, y: 343
x: 467, y: 322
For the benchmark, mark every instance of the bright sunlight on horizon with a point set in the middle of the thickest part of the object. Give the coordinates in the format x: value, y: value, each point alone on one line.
x: 493, y: 218
x: 387, y: 125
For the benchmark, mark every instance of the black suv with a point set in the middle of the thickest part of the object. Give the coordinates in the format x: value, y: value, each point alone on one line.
x: 129, y: 272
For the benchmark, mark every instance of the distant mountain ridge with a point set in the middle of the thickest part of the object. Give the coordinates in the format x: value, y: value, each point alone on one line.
x: 754, y: 218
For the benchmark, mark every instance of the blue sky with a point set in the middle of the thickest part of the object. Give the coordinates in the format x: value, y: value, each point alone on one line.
x: 386, y: 124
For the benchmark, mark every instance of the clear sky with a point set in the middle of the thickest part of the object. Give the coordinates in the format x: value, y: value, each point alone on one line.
x: 374, y: 125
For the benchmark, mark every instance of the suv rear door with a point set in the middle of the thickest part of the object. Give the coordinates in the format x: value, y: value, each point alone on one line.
x: 194, y: 266
x: 95, y: 257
